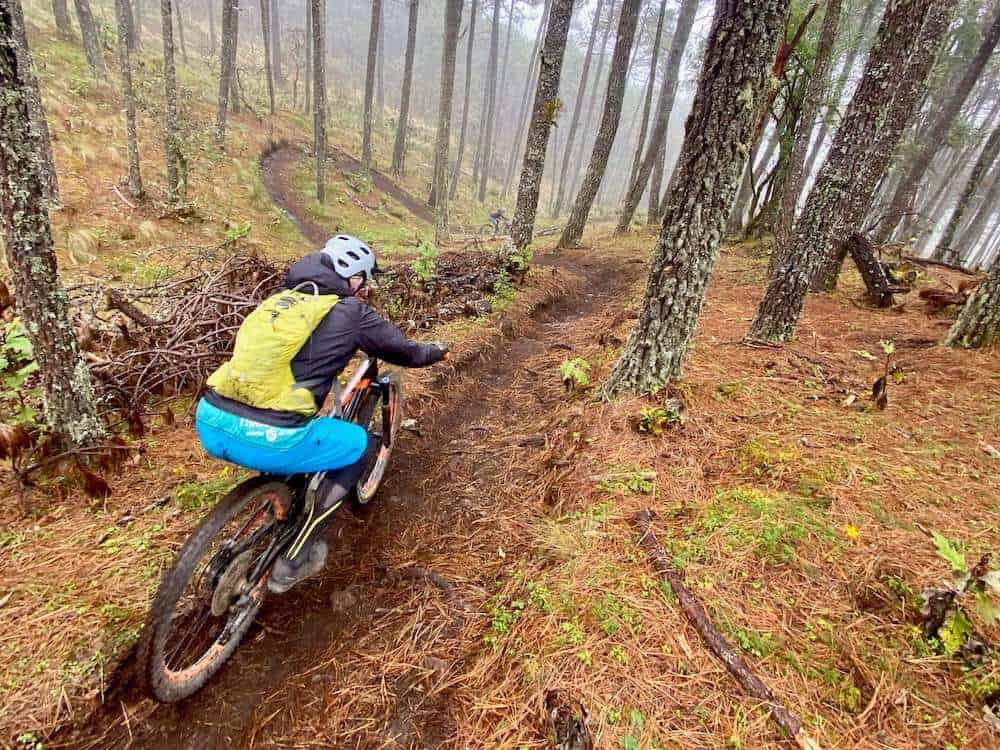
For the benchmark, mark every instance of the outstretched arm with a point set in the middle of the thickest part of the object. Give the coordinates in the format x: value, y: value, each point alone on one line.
x: 380, y: 338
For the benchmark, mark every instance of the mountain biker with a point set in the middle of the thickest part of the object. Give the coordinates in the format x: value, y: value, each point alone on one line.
x: 260, y: 409
x: 495, y: 217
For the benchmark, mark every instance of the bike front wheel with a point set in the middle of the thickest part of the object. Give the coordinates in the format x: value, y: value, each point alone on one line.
x: 381, y: 416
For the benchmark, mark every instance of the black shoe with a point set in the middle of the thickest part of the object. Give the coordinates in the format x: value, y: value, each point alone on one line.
x: 287, y: 573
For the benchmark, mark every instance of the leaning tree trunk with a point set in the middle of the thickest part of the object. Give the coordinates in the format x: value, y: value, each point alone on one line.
x: 399, y: 147
x: 608, y: 128
x: 491, y: 102
x: 318, y: 15
x: 180, y: 30
x: 685, y: 20
x: 368, y: 116
x: 265, y: 30
x: 813, y: 95
x: 908, y: 40
x: 225, y: 69
x: 938, y: 133
x: 465, y: 102
x: 741, y: 45
x: 26, y: 66
x: 574, y: 121
x: 128, y: 99
x: 61, y: 14
x: 543, y: 119
x: 983, y: 165
x: 978, y: 324
x: 987, y: 206
x: 654, y: 61
x: 41, y: 301
x: 91, y: 40
x: 452, y: 20
x: 176, y: 168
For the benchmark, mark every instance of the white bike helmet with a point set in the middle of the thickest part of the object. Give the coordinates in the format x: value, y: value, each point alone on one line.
x: 350, y: 256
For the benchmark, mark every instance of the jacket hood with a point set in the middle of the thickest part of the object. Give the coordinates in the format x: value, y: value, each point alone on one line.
x: 317, y: 268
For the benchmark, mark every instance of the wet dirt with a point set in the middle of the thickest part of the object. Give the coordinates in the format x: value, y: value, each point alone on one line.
x: 321, y: 647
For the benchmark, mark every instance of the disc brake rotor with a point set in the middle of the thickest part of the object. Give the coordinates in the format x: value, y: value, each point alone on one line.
x: 230, y: 583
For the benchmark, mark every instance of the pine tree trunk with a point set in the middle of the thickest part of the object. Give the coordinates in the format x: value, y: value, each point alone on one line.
x: 399, y: 148
x: 40, y: 125
x: 502, y: 97
x: 973, y: 231
x: 581, y: 94
x: 276, y: 66
x: 60, y: 12
x: 685, y: 20
x: 41, y: 301
x: 748, y: 188
x: 265, y: 30
x: 522, y: 112
x: 176, y: 168
x: 491, y: 103
x: 368, y: 116
x: 307, y: 86
x: 978, y: 324
x: 908, y: 40
x: 456, y: 172
x: 91, y: 40
x: 452, y: 21
x: 543, y: 117
x: 318, y: 15
x: 234, y: 73
x: 983, y: 165
x: 128, y: 99
x: 740, y: 48
x: 212, y: 41
x: 380, y: 70
x: 180, y: 30
x: 225, y: 70
x: 131, y: 28
x: 608, y: 128
x: 938, y: 132
x: 654, y: 61
x: 818, y: 80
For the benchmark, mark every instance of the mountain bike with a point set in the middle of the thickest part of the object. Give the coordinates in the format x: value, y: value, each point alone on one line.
x: 207, y: 601
x: 486, y: 231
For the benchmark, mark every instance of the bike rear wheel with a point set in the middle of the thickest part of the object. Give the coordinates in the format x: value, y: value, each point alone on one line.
x: 208, y: 599
x: 381, y: 420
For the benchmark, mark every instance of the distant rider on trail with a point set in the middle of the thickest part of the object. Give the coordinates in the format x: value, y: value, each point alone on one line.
x: 260, y: 409
x: 495, y: 217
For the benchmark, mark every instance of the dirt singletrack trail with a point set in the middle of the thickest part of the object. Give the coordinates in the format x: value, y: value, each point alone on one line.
x: 318, y: 663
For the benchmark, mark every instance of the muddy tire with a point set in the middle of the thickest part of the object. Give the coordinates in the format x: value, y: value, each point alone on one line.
x: 157, y: 652
x: 371, y: 420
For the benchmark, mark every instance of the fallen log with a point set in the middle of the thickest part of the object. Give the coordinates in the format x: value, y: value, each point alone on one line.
x: 718, y: 645
x: 939, y: 263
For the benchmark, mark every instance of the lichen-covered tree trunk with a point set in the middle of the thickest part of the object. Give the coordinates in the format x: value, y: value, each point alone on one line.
x: 818, y: 80
x: 647, y: 102
x: 740, y: 48
x: 399, y: 147
x: 608, y: 128
x: 225, y: 69
x: 176, y: 168
x: 368, y: 114
x: 180, y: 30
x: 60, y: 11
x: 938, y: 132
x: 574, y: 120
x: 895, y: 75
x: 318, y: 15
x: 979, y: 171
x: 452, y: 20
x: 276, y: 66
x: 978, y: 324
x: 668, y: 91
x: 41, y: 301
x: 265, y: 31
x: 128, y: 99
x: 543, y: 117
x: 491, y: 103
x: 91, y: 40
x: 456, y: 172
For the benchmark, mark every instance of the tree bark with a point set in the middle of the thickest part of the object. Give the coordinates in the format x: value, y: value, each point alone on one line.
x: 41, y: 300
x: 938, y: 133
x: 908, y: 41
x: 128, y: 99
x: 225, y: 70
x: 818, y: 80
x: 973, y: 231
x: 978, y: 324
x: 380, y: 69
x: 452, y: 21
x: 265, y: 30
x: 654, y: 61
x: 369, y: 114
x: 26, y: 69
x: 523, y: 112
x: 91, y: 40
x: 276, y: 66
x: 543, y: 118
x: 456, y: 172
x: 307, y: 86
x: 399, y: 148
x: 60, y: 12
x: 180, y: 30
x: 234, y: 78
x: 176, y: 166
x: 574, y: 120
x: 741, y: 45
x: 491, y: 103
x: 748, y: 183
x: 609, y: 125
x: 318, y: 14
x: 685, y: 20
x: 212, y: 42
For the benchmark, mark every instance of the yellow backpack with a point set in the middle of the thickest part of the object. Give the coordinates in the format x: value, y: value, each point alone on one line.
x: 259, y: 373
